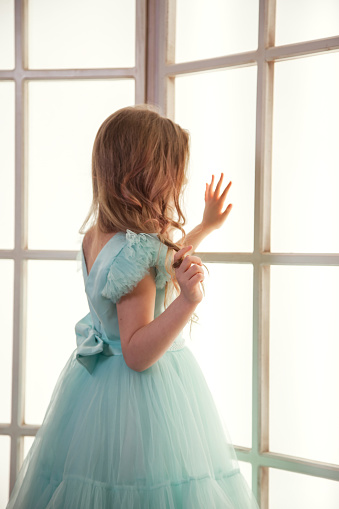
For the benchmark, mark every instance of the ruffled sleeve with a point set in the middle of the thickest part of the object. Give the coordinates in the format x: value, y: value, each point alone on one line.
x: 139, y: 252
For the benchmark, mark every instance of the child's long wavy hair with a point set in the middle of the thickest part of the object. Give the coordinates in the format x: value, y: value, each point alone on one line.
x: 139, y: 170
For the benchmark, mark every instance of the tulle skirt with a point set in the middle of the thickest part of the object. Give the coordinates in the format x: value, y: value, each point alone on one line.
x: 132, y: 440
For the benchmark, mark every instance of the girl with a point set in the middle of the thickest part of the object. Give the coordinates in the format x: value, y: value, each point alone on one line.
x: 131, y: 423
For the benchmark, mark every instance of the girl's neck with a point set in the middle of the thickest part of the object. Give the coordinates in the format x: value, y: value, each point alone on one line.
x: 98, y: 233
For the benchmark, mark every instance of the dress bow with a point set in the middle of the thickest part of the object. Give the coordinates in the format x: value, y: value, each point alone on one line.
x: 91, y: 343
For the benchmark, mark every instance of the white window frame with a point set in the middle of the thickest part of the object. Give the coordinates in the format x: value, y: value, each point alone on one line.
x: 21, y: 75
x: 162, y: 73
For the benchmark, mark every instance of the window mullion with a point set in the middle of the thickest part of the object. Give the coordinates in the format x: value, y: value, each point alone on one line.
x: 262, y: 227
x: 20, y: 237
x: 156, y: 53
x: 140, y: 52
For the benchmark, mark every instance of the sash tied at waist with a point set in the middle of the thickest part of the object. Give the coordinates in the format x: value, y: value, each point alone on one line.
x: 91, y: 343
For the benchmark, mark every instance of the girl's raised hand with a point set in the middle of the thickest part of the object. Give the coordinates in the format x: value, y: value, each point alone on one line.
x: 189, y: 274
x: 213, y: 216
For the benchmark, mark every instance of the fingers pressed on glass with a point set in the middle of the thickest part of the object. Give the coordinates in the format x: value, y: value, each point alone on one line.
x: 217, y: 189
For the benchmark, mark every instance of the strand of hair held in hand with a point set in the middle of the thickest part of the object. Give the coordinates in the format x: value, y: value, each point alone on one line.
x: 177, y: 264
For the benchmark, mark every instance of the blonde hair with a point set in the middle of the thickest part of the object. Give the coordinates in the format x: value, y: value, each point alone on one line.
x: 139, y: 170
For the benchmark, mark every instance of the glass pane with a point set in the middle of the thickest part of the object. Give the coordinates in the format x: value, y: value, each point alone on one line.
x: 219, y: 110
x: 7, y: 50
x: 222, y: 344
x: 52, y: 314
x: 215, y: 28
x: 303, y: 491
x: 6, y: 303
x: 304, y: 353
x: 305, y: 158
x: 63, y: 119
x: 305, y: 20
x: 246, y: 470
x: 7, y: 161
x: 78, y: 34
x: 28, y: 442
x: 5, y: 447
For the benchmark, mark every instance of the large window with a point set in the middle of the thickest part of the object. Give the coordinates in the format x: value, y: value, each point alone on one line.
x: 65, y: 66
x: 255, y: 82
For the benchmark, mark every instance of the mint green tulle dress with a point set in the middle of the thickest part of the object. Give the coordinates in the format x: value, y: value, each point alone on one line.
x: 116, y: 438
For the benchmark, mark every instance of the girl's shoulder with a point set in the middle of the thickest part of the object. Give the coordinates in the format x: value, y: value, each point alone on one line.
x: 137, y: 253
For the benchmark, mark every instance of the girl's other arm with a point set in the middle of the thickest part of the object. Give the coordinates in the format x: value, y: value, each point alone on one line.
x: 197, y: 235
x: 213, y: 217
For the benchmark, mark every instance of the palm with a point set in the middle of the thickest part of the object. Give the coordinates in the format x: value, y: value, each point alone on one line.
x: 213, y: 216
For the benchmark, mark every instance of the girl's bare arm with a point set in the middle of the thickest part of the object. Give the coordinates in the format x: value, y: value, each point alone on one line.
x: 144, y: 339
x: 196, y: 236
